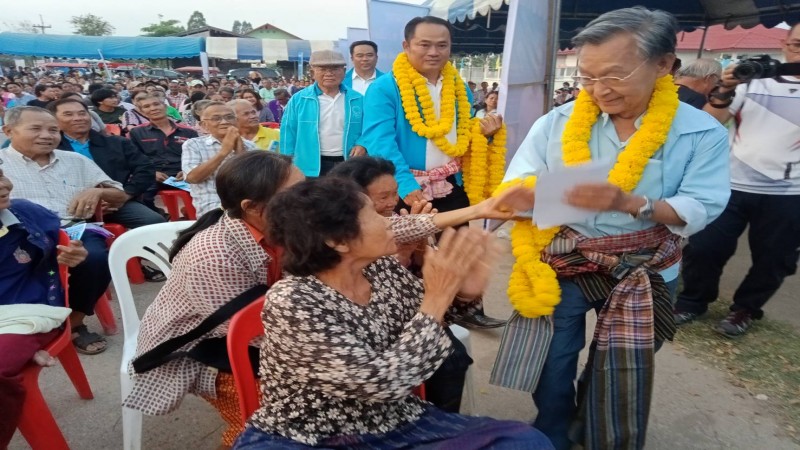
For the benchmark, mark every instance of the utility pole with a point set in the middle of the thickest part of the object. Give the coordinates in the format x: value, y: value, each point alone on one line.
x: 42, y: 26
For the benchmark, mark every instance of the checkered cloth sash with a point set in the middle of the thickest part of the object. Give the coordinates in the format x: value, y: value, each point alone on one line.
x: 434, y: 182
x: 616, y: 386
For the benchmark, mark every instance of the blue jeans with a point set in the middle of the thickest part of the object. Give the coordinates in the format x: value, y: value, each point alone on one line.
x: 555, y: 394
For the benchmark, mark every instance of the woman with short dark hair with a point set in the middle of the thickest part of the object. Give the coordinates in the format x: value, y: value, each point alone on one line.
x: 351, y: 332
x: 264, y: 114
x: 219, y: 257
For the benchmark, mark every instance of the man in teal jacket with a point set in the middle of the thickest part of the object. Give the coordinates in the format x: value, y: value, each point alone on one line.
x: 321, y: 125
x: 364, y: 55
x: 424, y: 172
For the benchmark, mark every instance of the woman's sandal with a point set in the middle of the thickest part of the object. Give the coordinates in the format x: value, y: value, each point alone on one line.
x: 154, y: 275
x: 85, y: 338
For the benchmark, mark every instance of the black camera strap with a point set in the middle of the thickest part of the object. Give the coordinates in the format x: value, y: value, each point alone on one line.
x: 789, y: 69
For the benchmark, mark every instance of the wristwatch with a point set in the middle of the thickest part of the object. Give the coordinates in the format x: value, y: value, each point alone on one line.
x: 645, y: 212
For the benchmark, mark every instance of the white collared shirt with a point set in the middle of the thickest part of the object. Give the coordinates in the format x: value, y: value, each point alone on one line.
x: 55, y: 184
x: 331, y: 124
x: 197, y: 151
x: 433, y: 156
x: 360, y: 85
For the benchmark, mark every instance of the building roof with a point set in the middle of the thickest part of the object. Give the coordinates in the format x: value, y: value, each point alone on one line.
x: 212, y: 31
x: 269, y: 26
x: 720, y: 39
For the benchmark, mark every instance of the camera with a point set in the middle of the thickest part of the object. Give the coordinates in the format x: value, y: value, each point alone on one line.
x: 759, y: 67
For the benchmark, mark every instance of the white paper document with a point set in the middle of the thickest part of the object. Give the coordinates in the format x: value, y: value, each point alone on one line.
x: 551, y: 209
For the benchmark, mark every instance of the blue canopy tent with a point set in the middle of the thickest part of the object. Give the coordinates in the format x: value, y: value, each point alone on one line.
x: 266, y: 50
x: 111, y: 47
x: 115, y: 47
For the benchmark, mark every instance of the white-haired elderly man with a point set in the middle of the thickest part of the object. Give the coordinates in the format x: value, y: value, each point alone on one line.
x: 696, y: 80
x: 669, y: 180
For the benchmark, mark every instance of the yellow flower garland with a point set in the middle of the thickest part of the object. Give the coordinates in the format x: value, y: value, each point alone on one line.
x: 483, y: 163
x: 533, y: 289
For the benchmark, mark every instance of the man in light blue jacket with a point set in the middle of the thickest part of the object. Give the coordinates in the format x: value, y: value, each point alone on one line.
x: 321, y: 125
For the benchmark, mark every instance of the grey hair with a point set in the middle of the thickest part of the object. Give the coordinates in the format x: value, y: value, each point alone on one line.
x: 700, y: 68
x: 14, y: 115
x: 236, y: 102
x: 655, y: 31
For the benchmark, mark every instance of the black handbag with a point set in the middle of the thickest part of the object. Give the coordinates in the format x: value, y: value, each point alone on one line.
x: 212, y: 352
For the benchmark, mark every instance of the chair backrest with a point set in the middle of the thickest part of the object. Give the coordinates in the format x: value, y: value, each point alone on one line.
x: 245, y: 326
x: 152, y: 243
x: 63, y: 274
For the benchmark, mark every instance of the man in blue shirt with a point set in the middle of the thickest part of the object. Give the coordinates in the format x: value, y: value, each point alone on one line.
x: 364, y: 55
x: 29, y: 275
x: 623, y: 262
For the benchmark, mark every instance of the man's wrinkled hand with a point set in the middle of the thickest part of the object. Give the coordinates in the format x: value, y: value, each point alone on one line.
x: 73, y: 254
x: 491, y: 124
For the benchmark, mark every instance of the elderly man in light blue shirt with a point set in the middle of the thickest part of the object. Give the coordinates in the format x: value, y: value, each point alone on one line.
x: 623, y: 262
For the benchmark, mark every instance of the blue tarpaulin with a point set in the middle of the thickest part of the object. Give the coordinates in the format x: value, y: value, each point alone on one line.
x: 112, y: 47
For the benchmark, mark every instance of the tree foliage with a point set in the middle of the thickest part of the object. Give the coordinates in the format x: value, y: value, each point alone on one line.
x: 163, y: 27
x: 22, y: 26
x: 237, y: 27
x: 91, y: 25
x: 196, y: 20
x: 246, y: 27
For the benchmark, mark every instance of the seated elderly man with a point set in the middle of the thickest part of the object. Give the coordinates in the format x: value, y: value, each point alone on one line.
x: 669, y: 181
x: 72, y: 186
x: 249, y: 127
x: 117, y: 157
x: 202, y: 156
x: 696, y: 80
x: 30, y: 293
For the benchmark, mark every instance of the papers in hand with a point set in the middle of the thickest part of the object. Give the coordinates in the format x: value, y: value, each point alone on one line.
x: 76, y: 231
x: 171, y: 181
x: 551, y: 208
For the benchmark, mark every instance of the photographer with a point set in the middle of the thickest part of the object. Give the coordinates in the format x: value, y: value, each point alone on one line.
x: 765, y: 194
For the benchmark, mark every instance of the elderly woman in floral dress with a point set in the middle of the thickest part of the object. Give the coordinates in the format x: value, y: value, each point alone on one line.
x: 351, y: 332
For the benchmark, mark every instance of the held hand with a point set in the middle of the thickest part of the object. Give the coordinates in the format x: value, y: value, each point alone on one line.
x: 231, y: 141
x: 84, y: 204
x: 413, y: 196
x: 179, y: 176
x: 358, y: 150
x: 73, y: 254
x: 491, y: 124
x: 446, y: 268
x: 161, y: 177
x: 515, y: 199
x: 422, y: 207
x: 600, y: 197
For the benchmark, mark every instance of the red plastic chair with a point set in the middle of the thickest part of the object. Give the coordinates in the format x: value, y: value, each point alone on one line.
x: 271, y: 124
x: 37, y: 424
x: 245, y: 326
x: 170, y: 198
x: 135, y: 273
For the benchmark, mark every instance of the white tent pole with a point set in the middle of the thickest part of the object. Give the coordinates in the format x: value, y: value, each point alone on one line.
x: 204, y: 64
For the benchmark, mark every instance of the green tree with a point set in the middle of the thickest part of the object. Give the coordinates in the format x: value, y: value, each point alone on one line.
x: 91, y: 25
x: 163, y: 27
x: 23, y: 26
x: 196, y: 20
x: 237, y: 27
x: 246, y: 28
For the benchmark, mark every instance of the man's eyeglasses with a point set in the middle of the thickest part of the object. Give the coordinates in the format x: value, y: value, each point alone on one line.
x: 230, y: 118
x: 328, y: 69
x: 607, y: 81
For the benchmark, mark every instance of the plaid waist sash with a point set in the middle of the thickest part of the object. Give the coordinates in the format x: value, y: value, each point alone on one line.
x: 622, y: 271
x: 434, y: 182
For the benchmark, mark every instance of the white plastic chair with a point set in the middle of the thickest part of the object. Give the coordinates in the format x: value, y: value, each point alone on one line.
x: 151, y: 243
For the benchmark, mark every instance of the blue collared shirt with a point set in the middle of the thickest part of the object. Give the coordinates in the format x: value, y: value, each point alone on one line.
x: 79, y: 147
x: 690, y: 172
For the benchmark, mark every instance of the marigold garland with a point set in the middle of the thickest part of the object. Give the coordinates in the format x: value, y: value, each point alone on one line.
x: 482, y: 163
x: 533, y: 289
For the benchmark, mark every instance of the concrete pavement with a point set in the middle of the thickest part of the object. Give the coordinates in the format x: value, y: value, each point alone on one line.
x: 694, y: 406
